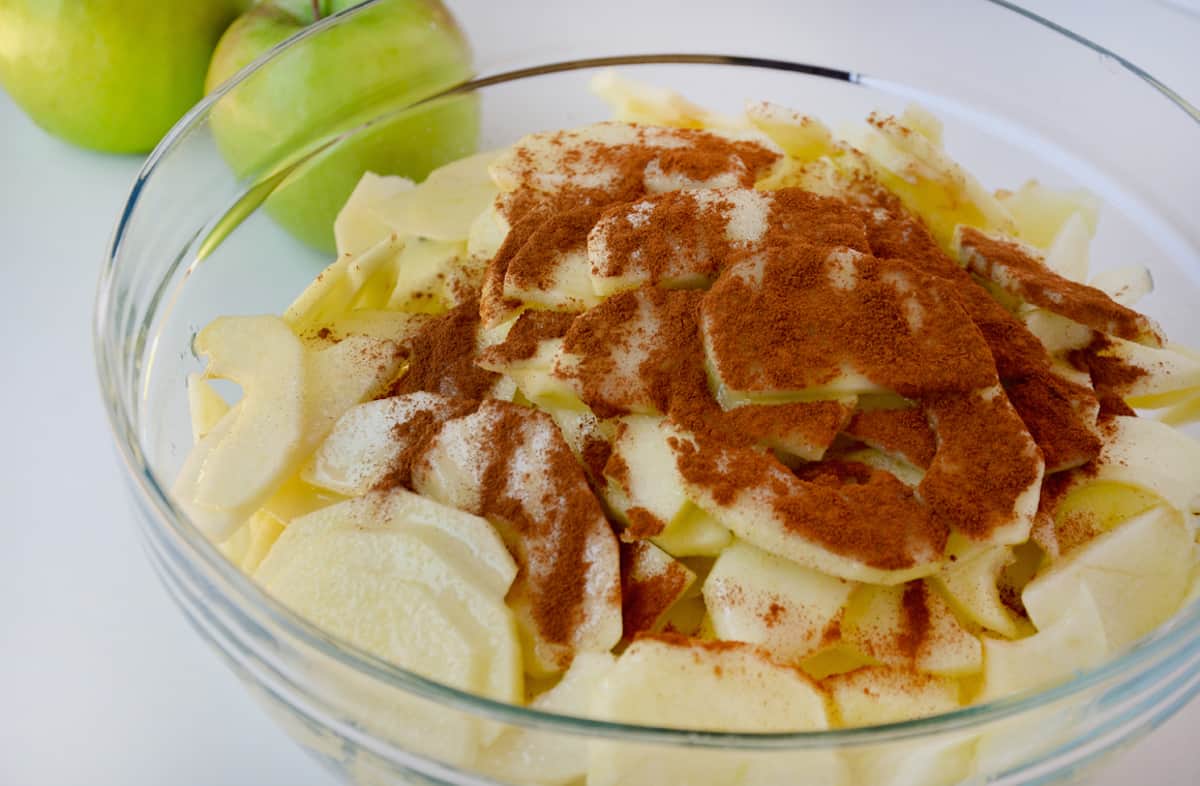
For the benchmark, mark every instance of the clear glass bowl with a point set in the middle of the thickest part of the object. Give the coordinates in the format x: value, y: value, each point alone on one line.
x: 1020, y: 98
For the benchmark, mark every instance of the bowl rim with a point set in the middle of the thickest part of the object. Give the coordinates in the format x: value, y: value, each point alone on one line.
x: 241, y: 592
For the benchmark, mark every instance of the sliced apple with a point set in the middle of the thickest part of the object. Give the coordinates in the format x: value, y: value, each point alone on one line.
x: 1039, y: 213
x: 1135, y: 574
x: 715, y: 686
x: 545, y: 758
x: 444, y: 205
x: 396, y: 326
x: 637, y: 102
x: 234, y: 468
x: 511, y: 465
x: 652, y: 582
x: 357, y: 227
x: 802, y: 137
x: 911, y: 626
x: 1068, y: 254
x: 786, y: 609
x: 250, y: 544
x: 972, y: 585
x: 342, y: 286
x: 1126, y: 284
x: 350, y: 568
x: 369, y: 438
x: 882, y: 694
x: 1154, y: 456
x: 205, y: 406
x: 1075, y: 641
x: 643, y: 477
x: 430, y: 275
x: 1168, y: 374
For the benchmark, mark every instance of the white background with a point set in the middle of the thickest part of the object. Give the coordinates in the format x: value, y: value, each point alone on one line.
x: 101, y: 682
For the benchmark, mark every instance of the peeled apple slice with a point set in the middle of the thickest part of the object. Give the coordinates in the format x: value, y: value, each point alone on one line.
x: 972, y: 585
x: 1040, y: 212
x: 357, y: 227
x: 636, y: 102
x: 1126, y: 285
x: 205, y: 406
x: 340, y: 286
x: 368, y: 439
x: 1154, y: 456
x: 1068, y: 254
x: 801, y: 137
x: 348, y: 568
x: 234, y: 468
x: 880, y: 694
x: 785, y: 608
x: 543, y: 758
x: 1136, y: 574
x: 717, y: 686
x: 444, y: 206
x: 1074, y: 642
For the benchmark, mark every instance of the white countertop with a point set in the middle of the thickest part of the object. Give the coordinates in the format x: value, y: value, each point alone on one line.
x: 101, y: 681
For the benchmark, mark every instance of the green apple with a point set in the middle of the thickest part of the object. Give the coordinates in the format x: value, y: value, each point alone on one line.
x: 112, y: 75
x: 381, y: 60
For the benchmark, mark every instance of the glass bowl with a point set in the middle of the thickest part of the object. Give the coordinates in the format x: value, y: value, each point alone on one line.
x: 1020, y: 98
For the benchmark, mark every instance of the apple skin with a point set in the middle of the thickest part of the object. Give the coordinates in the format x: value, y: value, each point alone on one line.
x: 111, y: 75
x: 388, y: 56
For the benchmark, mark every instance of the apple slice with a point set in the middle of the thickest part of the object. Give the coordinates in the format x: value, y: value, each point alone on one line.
x: 249, y: 545
x: 1021, y: 271
x: 972, y: 585
x: 651, y: 584
x: 369, y: 439
x: 548, y: 759
x: 511, y: 465
x: 1154, y: 456
x: 911, y: 626
x: 1136, y: 575
x: 1068, y: 254
x: 341, y: 286
x: 645, y: 487
x: 718, y: 686
x: 234, y: 468
x: 802, y: 137
x: 786, y: 609
x: 1075, y: 641
x: 444, y: 206
x: 205, y: 406
x: 395, y: 326
x: 350, y: 567
x: 875, y: 695
x: 1126, y: 284
x: 638, y: 102
x: 1160, y: 376
x: 357, y: 228
x: 1039, y: 213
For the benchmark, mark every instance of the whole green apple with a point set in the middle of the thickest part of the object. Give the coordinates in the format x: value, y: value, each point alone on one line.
x: 111, y: 75
x: 361, y: 74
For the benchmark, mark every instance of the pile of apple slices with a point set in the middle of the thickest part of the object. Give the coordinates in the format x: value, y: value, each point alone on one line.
x: 708, y: 613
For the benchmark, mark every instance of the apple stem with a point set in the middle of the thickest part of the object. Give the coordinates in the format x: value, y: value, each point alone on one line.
x: 316, y: 7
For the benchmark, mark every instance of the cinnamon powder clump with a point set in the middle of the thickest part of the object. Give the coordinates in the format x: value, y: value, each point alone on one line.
x: 442, y: 357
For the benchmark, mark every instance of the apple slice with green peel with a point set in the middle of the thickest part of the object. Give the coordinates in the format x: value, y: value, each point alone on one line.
x: 368, y: 439
x: 1154, y: 456
x: 345, y: 568
x: 875, y: 695
x: 444, y: 206
x: 1074, y: 642
x: 642, y: 476
x: 1126, y: 284
x: 234, y: 468
x: 911, y: 626
x: 357, y: 227
x: 714, y: 686
x: 787, y: 609
x: 1136, y: 574
x: 543, y: 758
x: 1039, y: 213
x: 205, y: 406
x: 971, y: 584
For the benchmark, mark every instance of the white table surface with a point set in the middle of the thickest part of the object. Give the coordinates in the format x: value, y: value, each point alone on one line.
x: 101, y: 681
